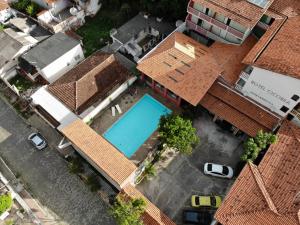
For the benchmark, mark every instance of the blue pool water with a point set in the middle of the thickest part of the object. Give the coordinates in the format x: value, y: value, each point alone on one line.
x: 136, y: 125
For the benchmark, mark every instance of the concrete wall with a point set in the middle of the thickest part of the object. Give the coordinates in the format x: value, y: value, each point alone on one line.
x: 273, y: 90
x: 108, y: 100
x: 62, y: 65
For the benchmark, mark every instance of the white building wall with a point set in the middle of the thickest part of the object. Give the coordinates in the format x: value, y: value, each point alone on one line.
x: 62, y: 65
x: 272, y: 90
x: 94, y: 111
x: 59, y: 5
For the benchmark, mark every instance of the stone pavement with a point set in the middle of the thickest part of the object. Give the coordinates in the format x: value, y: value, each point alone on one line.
x: 45, y: 174
x: 174, y: 185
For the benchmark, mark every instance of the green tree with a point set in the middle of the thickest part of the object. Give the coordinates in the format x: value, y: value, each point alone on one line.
x: 128, y: 212
x: 5, y: 202
x: 125, y: 9
x: 253, y: 146
x: 178, y: 133
x: 32, y: 9
x: 75, y: 166
x: 1, y: 27
x: 150, y: 170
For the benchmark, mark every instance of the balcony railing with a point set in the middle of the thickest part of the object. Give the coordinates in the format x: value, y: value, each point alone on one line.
x: 195, y: 27
x: 213, y: 21
x: 201, y: 30
x: 262, y: 25
x: 295, y: 113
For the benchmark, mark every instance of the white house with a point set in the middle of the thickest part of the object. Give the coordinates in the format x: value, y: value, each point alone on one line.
x: 12, y: 45
x: 50, y: 59
x: 61, y: 15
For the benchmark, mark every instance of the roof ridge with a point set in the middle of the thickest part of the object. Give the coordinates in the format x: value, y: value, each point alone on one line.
x: 259, y: 181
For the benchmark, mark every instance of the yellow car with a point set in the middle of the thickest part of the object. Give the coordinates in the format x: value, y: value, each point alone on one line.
x: 206, y: 201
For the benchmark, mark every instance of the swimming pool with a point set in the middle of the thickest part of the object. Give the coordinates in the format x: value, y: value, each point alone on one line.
x: 136, y: 125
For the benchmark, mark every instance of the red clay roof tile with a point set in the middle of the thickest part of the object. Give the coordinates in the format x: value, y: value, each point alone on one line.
x: 152, y: 215
x: 279, y: 173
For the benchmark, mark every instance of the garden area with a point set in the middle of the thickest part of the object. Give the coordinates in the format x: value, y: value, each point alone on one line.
x: 114, y: 13
x: 21, y: 83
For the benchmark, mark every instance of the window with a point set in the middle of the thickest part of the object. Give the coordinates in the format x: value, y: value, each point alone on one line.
x: 241, y: 82
x: 228, y: 21
x: 284, y: 109
x: 206, y: 11
x: 295, y: 97
x: 77, y: 57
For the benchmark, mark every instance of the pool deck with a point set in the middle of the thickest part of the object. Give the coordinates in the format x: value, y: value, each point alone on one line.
x: 105, y: 119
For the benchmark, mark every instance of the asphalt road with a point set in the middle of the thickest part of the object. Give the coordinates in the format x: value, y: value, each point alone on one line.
x: 47, y: 177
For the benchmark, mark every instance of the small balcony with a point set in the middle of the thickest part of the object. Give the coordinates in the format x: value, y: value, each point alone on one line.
x: 215, y: 22
x: 201, y: 30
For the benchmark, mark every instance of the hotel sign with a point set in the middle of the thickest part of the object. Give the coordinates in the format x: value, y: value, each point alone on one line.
x: 270, y: 92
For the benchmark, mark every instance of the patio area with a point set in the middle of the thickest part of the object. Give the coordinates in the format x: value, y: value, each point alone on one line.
x: 105, y: 119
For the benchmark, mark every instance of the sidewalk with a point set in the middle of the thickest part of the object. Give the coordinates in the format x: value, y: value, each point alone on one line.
x: 28, y: 203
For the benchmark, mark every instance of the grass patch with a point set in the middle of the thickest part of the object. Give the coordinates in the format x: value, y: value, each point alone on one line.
x: 21, y: 83
x: 95, y: 31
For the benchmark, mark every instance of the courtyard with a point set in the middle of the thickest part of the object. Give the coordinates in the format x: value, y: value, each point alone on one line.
x: 126, y: 101
x: 174, y: 185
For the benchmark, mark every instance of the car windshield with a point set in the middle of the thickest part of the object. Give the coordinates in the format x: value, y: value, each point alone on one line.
x: 225, y: 170
x: 213, y: 201
x: 209, y: 167
x: 192, y: 216
x: 197, y: 200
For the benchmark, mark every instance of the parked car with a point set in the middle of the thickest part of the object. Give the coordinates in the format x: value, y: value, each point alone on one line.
x: 38, y: 141
x: 206, y: 201
x: 196, y: 217
x: 218, y: 170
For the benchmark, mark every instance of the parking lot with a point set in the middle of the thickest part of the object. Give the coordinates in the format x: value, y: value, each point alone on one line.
x: 173, y: 186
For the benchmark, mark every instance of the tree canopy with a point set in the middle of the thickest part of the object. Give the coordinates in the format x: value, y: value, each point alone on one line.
x: 253, y: 146
x: 5, y: 202
x: 128, y: 212
x: 178, y: 133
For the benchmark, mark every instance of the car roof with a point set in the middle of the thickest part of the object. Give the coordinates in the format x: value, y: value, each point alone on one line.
x: 37, y: 139
x: 217, y: 168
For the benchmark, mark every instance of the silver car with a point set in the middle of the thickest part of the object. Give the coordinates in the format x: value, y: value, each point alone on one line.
x: 38, y: 141
x: 218, y: 170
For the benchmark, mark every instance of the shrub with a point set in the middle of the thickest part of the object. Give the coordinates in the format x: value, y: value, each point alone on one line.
x: 178, y: 133
x: 253, y: 146
x: 32, y: 9
x: 75, y: 165
x: 150, y: 170
x: 128, y: 211
x: 5, y: 202
x: 93, y: 182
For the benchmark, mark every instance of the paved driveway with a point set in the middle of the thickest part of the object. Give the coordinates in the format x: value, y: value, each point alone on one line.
x: 172, y: 188
x: 47, y: 176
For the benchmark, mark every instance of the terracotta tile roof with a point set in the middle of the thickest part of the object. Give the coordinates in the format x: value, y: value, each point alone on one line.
x: 289, y: 8
x: 243, y: 12
x: 282, y: 55
x: 263, y: 41
x: 89, y: 81
x: 266, y: 194
x: 237, y: 110
x: 229, y: 58
x: 99, y: 151
x: 182, y: 65
x: 3, y: 5
x: 152, y: 215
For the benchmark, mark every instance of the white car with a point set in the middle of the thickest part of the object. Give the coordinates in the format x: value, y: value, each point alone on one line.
x: 38, y: 141
x: 218, y: 170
